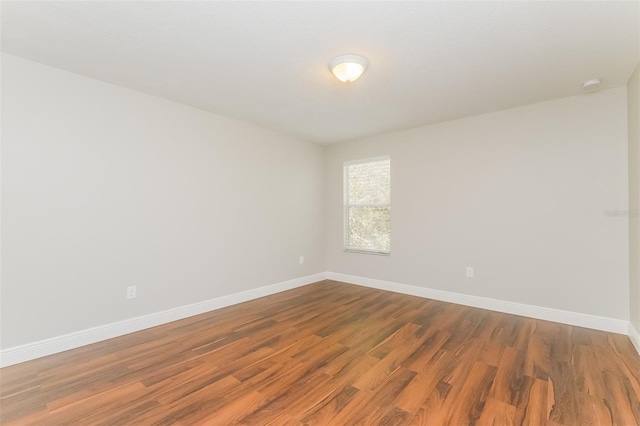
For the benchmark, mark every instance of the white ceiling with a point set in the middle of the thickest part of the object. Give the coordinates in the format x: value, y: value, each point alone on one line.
x: 266, y: 62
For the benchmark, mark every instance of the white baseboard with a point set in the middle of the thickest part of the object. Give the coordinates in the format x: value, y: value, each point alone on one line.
x: 566, y: 317
x: 634, y: 336
x: 73, y: 340
x: 76, y: 339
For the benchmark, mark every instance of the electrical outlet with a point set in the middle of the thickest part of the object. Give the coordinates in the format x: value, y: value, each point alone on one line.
x: 131, y: 292
x: 469, y: 272
x: 301, y: 260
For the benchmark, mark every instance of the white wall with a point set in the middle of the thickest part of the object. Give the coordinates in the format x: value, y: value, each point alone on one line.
x: 633, y: 96
x: 103, y: 187
x: 520, y: 195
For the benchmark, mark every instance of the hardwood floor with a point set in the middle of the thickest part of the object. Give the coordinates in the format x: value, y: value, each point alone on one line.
x: 334, y: 354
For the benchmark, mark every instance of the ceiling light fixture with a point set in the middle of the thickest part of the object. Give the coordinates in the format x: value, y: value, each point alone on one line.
x: 591, y: 84
x: 348, y: 68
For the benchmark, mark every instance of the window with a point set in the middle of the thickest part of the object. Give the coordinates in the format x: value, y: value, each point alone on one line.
x: 367, y: 205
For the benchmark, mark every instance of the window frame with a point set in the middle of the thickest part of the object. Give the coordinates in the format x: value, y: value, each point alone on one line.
x: 346, y: 205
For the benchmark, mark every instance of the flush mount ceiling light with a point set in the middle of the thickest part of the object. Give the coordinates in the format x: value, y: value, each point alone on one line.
x: 591, y: 84
x: 348, y: 68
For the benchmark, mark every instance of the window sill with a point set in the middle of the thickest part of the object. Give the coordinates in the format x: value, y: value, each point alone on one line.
x: 376, y: 253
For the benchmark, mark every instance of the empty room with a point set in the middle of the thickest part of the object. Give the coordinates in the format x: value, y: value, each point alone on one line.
x: 320, y: 213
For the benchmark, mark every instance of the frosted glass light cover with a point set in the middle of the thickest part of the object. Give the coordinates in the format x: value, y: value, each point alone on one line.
x: 348, y: 68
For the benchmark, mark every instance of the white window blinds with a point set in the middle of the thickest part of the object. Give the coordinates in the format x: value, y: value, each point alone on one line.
x: 367, y: 205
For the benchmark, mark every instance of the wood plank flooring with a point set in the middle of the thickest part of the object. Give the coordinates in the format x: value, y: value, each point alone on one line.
x: 335, y: 354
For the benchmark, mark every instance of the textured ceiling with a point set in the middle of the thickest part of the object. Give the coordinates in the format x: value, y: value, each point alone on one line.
x: 266, y: 62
